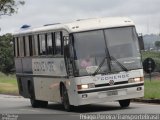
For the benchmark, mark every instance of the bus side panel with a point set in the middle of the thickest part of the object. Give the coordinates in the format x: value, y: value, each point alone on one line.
x: 24, y: 71
x: 18, y: 64
x: 27, y: 65
x: 23, y: 65
x: 48, y: 73
x: 72, y: 90
x: 23, y: 84
x: 47, y: 89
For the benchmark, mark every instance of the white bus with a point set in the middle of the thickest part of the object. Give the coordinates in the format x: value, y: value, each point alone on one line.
x: 83, y: 62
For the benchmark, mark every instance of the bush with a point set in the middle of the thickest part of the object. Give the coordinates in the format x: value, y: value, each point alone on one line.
x: 6, y: 54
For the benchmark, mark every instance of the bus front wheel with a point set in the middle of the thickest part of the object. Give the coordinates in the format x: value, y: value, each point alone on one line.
x: 124, y: 103
x: 65, y: 99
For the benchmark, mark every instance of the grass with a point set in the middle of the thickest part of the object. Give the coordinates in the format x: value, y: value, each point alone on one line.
x: 152, y: 89
x: 151, y: 54
x: 8, y: 84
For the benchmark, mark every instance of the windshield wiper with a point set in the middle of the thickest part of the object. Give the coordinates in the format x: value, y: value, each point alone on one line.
x: 122, y: 66
x: 99, y: 67
x: 111, y: 58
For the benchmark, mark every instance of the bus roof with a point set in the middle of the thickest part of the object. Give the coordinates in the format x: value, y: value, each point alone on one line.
x: 81, y: 25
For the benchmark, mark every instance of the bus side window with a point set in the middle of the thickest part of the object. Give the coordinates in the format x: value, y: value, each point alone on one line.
x: 24, y: 45
x: 21, y: 46
x: 27, y: 46
x: 35, y: 45
x: 30, y: 45
x: 50, y: 47
x: 42, y: 44
x: 38, y: 42
x: 58, y: 43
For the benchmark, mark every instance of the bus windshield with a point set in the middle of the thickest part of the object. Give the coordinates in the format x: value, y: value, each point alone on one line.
x: 93, y: 46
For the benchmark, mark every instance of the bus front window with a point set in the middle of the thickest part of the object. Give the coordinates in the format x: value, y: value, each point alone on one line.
x: 118, y: 45
x: 89, y: 52
x: 123, y: 46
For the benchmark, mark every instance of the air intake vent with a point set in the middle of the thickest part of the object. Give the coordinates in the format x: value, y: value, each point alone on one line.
x: 85, y: 19
x: 51, y: 24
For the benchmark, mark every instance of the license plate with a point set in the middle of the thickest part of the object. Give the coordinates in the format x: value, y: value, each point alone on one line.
x: 110, y: 93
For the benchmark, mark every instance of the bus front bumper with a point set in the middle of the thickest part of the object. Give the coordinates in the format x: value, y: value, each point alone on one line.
x: 107, y: 95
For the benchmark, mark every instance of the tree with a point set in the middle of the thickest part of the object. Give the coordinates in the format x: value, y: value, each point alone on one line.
x: 157, y: 44
x: 9, y: 7
x: 6, y: 54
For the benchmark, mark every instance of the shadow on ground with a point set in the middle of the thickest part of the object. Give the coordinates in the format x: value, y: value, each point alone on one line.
x: 87, y: 108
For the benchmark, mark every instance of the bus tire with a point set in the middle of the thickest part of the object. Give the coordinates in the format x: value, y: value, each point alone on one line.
x: 38, y: 103
x: 35, y: 103
x: 65, y: 99
x: 124, y: 103
x: 43, y: 104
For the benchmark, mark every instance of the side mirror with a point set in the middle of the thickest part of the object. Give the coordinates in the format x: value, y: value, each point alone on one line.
x: 141, y: 43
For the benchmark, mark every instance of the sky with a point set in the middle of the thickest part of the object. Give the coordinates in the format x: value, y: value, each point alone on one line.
x: 144, y: 13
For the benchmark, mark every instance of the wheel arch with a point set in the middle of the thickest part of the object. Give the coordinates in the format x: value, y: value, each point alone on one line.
x: 60, y: 86
x: 30, y: 88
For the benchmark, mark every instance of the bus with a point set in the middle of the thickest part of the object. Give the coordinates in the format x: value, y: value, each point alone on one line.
x: 83, y: 62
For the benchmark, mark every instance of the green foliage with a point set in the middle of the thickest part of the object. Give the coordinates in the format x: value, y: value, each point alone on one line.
x: 157, y: 44
x: 6, y: 54
x: 9, y: 7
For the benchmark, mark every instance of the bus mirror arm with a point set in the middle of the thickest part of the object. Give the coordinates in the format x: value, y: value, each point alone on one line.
x: 71, y: 52
x: 72, y: 59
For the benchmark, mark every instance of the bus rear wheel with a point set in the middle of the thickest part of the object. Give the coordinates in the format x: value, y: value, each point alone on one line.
x: 35, y: 103
x: 43, y: 104
x: 124, y: 103
x: 65, y: 99
x: 38, y: 103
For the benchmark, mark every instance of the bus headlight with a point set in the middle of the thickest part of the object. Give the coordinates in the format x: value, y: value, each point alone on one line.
x: 138, y: 79
x: 86, y: 86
